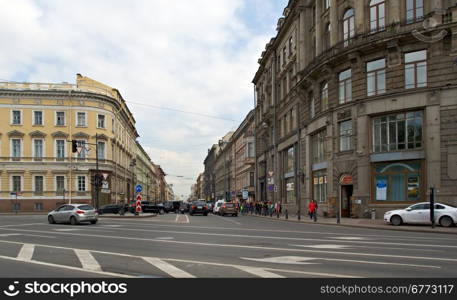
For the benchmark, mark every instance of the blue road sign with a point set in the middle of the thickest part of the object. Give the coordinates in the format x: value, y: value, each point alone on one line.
x: 138, y: 188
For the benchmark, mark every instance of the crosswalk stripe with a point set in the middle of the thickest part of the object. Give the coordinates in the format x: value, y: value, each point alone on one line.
x: 88, y: 262
x: 259, y: 272
x: 26, y: 252
x: 168, y: 268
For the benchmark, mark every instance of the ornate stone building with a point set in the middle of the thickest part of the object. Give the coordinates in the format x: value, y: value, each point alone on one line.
x: 356, y: 106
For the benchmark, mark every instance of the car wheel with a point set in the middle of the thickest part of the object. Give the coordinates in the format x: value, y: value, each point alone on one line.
x: 446, y: 221
x: 206, y: 214
x: 396, y: 220
x: 51, y: 220
x: 236, y: 215
x: 161, y: 211
x: 73, y: 221
x: 93, y: 222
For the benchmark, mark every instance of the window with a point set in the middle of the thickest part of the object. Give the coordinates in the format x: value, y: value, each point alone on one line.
x: 250, y: 149
x: 38, y: 149
x: 39, y: 184
x: 284, y: 55
x: 320, y: 186
x: 312, y: 107
x: 286, y: 124
x: 38, y: 206
x: 60, y: 148
x: 293, y: 119
x: 327, y: 36
x: 345, y: 82
x: 318, y: 145
x: 16, y: 117
x: 376, y: 77
x: 414, y: 10
x: 81, y: 183
x: 348, y: 26
x: 289, y: 174
x: 17, y: 186
x: 398, y: 182
x: 324, y: 96
x: 82, y: 144
x: 291, y: 46
x: 81, y: 119
x: 326, y: 4
x: 398, y: 132
x: 289, y: 161
x: 60, y: 118
x: 416, y: 69
x: 377, y: 15
x: 290, y: 190
x: 101, y: 150
x: 37, y: 118
x: 346, y: 135
x: 60, y: 184
x: 101, y: 121
x: 16, y: 148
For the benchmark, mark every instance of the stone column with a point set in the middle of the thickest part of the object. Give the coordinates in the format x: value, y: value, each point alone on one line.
x: 318, y: 27
x: 302, y: 40
x: 360, y: 17
x: 335, y: 26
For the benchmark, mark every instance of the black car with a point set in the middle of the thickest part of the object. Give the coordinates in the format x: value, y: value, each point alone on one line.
x: 110, y: 209
x: 147, y: 207
x: 176, y: 205
x: 184, y: 208
x: 198, y: 207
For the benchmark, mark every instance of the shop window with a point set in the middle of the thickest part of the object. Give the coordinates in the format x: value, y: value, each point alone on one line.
x: 398, y: 182
x: 320, y: 186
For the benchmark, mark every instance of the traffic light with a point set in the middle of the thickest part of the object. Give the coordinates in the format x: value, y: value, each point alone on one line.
x: 74, y: 146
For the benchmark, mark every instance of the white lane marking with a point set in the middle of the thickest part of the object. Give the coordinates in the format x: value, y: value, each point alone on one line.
x: 88, y: 262
x: 166, y: 238
x: 252, y: 247
x: 279, y: 238
x: 168, y: 268
x: 259, y: 272
x: 298, y: 260
x: 16, y: 225
x: 378, y: 248
x: 66, y: 229
x: 325, y: 246
x: 26, y: 252
x: 386, y: 237
x: 349, y: 238
x: 9, y: 234
x: 187, y: 261
x: 177, y: 218
x: 287, y: 260
x: 229, y: 220
x: 187, y: 219
x: 66, y: 267
x: 114, y: 226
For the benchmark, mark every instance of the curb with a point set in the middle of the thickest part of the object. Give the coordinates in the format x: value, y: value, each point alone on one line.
x: 357, y: 226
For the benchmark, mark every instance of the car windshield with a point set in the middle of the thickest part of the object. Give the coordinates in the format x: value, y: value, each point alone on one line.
x: 85, y: 207
x: 200, y: 203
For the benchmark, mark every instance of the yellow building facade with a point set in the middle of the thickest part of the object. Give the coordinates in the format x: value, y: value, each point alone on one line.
x: 38, y: 169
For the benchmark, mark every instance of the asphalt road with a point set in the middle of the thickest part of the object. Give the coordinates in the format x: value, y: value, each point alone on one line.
x: 229, y: 247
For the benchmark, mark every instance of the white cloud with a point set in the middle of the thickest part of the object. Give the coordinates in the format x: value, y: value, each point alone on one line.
x: 197, y: 55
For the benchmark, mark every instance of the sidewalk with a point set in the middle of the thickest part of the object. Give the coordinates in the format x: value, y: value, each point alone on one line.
x: 362, y: 223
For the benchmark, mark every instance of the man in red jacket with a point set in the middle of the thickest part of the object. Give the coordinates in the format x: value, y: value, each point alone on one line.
x: 312, y: 210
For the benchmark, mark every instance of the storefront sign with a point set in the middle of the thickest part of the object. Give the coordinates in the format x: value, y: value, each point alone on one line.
x: 346, y: 180
x: 381, y: 190
x: 245, y: 194
x: 290, y: 186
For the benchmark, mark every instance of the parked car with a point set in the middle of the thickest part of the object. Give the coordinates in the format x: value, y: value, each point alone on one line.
x: 217, y: 206
x: 176, y: 205
x: 198, y: 207
x: 228, y: 208
x: 147, y: 207
x: 110, y: 209
x: 184, y: 208
x: 73, y: 214
x: 445, y: 215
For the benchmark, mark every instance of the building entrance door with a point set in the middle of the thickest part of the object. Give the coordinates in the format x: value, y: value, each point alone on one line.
x: 346, y: 194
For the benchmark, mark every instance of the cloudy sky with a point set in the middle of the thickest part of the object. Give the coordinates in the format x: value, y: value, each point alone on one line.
x: 197, y: 56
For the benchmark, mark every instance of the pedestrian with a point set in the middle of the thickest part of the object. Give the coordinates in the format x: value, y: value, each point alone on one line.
x: 311, y: 209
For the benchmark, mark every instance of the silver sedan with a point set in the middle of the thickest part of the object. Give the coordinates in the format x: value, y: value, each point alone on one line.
x: 445, y: 215
x: 73, y: 214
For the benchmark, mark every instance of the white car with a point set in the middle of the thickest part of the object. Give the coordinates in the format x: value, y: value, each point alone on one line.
x: 445, y: 215
x: 217, y: 206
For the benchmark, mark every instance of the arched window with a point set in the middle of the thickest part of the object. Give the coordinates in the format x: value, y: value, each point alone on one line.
x: 348, y: 26
x: 377, y: 15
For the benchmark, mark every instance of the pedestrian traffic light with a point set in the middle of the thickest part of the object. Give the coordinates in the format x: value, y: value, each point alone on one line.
x: 74, y: 146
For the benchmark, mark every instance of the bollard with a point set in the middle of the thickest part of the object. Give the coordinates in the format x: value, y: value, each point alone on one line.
x: 287, y: 215
x: 373, y: 214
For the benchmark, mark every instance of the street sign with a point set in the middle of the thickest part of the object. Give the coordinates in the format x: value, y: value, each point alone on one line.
x: 139, y: 197
x: 245, y: 194
x: 105, y: 176
x: 138, y: 188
